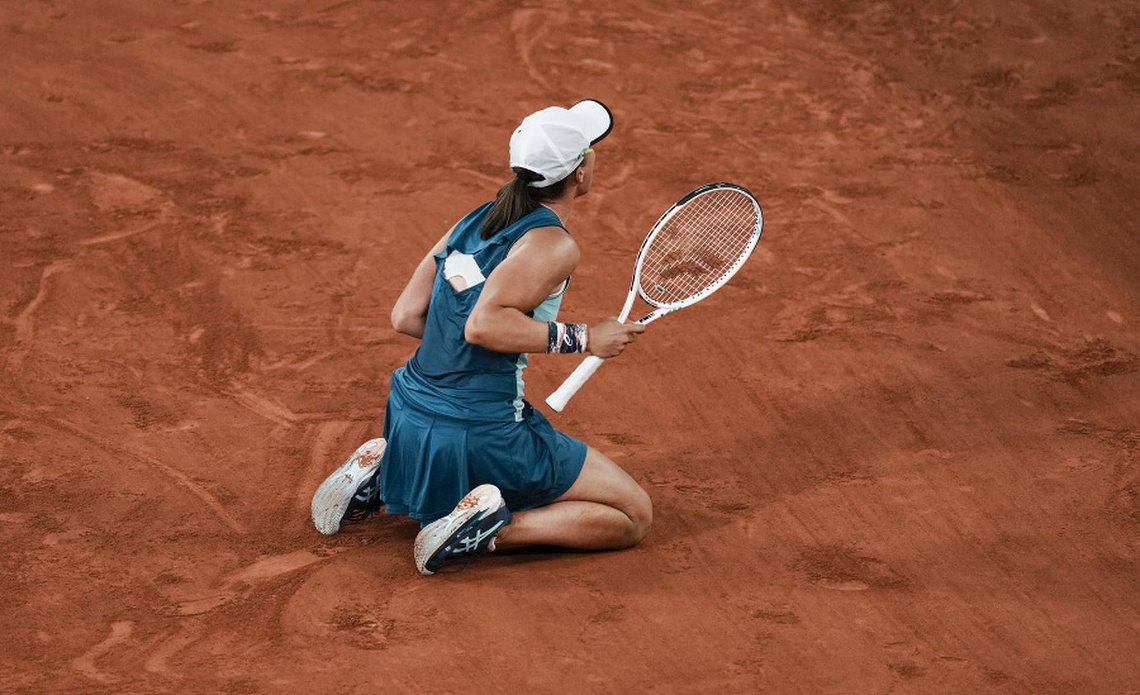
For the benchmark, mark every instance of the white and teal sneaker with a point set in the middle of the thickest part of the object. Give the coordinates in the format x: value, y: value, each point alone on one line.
x: 469, y: 530
x: 352, y: 492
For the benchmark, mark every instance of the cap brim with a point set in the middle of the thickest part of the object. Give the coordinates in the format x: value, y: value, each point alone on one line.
x: 596, y: 119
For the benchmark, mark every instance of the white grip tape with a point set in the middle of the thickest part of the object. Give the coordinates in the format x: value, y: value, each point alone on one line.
x: 579, y: 376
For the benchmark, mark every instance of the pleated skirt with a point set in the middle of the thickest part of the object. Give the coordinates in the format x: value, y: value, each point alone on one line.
x: 432, y: 460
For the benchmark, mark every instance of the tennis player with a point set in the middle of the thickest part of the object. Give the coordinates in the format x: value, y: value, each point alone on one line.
x: 463, y: 452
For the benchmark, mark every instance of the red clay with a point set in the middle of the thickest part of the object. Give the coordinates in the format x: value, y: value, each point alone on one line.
x: 900, y: 452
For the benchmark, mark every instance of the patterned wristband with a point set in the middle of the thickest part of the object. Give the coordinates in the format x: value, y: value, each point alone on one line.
x: 564, y: 338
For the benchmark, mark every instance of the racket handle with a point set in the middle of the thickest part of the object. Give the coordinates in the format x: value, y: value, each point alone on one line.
x: 577, y: 378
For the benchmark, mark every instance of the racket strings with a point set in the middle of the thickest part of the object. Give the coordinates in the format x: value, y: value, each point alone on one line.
x: 698, y: 246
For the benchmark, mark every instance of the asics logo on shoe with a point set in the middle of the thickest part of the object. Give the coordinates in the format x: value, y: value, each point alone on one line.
x: 471, y: 543
x: 365, y: 501
x: 367, y: 492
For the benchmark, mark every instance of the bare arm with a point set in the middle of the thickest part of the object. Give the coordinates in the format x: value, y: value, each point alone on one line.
x: 539, y: 261
x: 409, y: 313
x: 537, y: 264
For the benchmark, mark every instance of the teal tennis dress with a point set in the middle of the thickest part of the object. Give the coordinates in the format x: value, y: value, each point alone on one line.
x: 456, y: 416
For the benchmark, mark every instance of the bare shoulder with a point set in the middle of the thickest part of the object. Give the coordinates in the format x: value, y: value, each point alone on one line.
x: 549, y: 243
x: 535, y: 265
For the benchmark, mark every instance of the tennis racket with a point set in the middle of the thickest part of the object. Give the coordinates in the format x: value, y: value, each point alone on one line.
x: 696, y: 246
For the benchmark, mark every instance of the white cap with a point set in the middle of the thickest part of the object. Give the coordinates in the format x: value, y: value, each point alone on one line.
x: 553, y: 142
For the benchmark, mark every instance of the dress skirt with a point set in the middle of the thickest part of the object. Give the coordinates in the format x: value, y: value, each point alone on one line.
x: 433, y: 460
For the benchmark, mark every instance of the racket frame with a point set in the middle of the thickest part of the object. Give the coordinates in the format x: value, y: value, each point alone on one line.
x: 664, y: 308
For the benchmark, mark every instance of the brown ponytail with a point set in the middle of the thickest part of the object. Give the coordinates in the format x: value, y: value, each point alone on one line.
x: 517, y: 199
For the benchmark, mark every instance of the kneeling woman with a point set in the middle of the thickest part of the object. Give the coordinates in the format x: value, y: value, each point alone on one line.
x: 463, y: 452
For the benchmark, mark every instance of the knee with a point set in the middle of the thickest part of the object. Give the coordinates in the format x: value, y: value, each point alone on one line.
x: 640, y: 514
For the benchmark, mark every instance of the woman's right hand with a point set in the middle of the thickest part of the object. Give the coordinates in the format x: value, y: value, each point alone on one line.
x: 610, y: 338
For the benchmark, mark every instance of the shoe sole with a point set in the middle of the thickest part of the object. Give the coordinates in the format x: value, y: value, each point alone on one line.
x: 332, y: 498
x: 435, y: 535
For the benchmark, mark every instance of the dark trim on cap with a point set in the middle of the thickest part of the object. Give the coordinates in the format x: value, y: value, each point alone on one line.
x: 608, y: 113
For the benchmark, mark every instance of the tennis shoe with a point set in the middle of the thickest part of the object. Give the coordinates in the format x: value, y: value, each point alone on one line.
x: 467, y: 531
x: 352, y: 493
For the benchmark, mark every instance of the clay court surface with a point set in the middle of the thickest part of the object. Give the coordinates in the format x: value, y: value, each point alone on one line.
x: 900, y: 453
